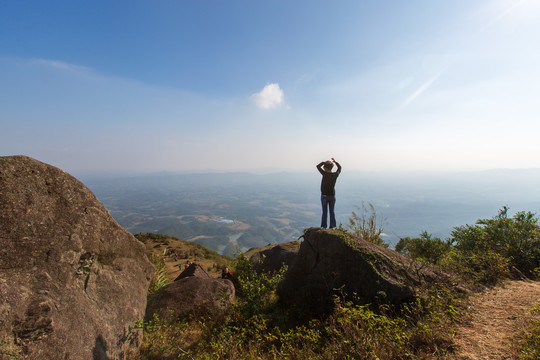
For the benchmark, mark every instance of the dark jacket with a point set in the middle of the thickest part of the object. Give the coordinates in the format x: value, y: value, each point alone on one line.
x: 328, y: 181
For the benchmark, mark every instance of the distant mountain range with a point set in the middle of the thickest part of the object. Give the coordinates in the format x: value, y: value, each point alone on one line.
x: 259, y: 209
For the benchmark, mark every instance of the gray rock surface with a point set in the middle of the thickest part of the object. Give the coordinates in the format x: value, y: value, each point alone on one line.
x: 72, y: 281
x: 331, y: 262
x: 190, y: 295
x: 274, y: 257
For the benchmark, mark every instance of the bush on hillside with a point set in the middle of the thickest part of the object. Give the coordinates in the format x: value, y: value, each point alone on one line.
x: 484, y: 267
x: 516, y: 239
x: 487, y: 252
x: 424, y: 248
x: 255, y: 289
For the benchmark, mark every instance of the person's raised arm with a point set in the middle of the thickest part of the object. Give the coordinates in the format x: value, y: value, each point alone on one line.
x: 319, y: 167
x: 337, y: 164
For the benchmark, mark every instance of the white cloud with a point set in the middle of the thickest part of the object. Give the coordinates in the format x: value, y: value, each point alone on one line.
x: 271, y: 96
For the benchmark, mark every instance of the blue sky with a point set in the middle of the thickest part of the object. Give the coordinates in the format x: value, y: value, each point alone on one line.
x: 246, y: 85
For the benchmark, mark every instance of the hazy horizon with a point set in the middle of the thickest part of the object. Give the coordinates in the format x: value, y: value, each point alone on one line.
x: 273, y: 171
x: 411, y: 203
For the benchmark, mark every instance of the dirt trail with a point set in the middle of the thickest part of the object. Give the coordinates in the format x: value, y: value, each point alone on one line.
x: 495, y: 316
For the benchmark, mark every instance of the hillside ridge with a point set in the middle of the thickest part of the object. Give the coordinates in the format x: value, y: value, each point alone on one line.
x: 165, y: 247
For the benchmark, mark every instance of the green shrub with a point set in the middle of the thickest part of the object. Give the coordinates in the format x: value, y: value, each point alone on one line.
x: 256, y: 289
x: 487, y: 268
x: 515, y: 239
x: 425, y: 248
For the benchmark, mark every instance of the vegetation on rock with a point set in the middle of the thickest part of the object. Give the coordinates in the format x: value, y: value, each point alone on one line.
x: 367, y: 225
x: 258, y: 327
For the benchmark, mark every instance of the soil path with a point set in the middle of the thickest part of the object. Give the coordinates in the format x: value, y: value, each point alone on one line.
x: 495, y: 317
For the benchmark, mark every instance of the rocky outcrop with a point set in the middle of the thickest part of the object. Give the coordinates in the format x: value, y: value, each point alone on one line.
x: 72, y: 281
x: 332, y: 262
x: 193, y: 291
x: 188, y: 295
x: 271, y: 259
x: 193, y: 270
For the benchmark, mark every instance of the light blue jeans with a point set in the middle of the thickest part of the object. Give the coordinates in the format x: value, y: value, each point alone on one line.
x: 328, y: 202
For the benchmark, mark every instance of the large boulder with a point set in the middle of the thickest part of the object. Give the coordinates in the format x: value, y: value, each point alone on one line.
x: 332, y: 262
x: 190, y: 295
x: 272, y: 258
x: 72, y: 281
x: 193, y: 291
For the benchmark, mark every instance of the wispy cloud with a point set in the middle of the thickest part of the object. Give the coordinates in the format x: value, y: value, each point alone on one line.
x: 62, y: 65
x: 421, y: 89
x: 271, y: 96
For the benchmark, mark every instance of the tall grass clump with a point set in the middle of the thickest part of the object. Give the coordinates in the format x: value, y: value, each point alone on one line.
x: 366, y: 224
x: 161, y: 277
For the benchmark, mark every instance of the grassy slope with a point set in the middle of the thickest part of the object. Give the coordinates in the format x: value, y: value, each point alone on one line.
x: 189, y: 251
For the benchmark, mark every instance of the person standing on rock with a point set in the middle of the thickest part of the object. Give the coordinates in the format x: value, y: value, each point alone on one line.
x: 328, y: 192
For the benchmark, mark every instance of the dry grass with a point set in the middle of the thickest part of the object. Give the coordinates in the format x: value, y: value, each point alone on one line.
x: 495, y: 315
